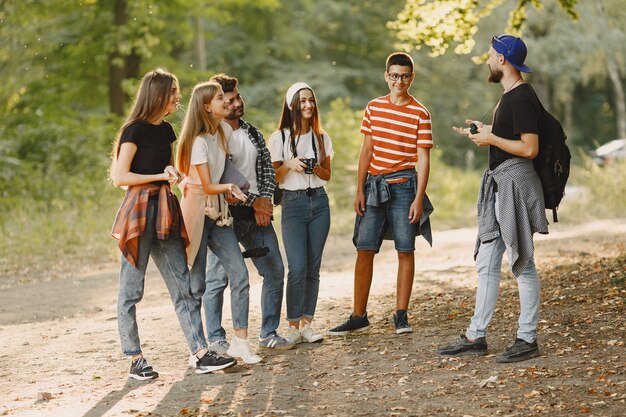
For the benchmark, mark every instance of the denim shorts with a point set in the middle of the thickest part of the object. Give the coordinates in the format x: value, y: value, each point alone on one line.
x: 393, y: 214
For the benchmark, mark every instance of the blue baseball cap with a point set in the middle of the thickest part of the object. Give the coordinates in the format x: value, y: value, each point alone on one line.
x: 513, y: 49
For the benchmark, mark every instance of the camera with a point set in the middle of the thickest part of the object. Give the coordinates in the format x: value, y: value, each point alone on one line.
x: 310, y: 163
x: 256, y: 252
x: 473, y: 128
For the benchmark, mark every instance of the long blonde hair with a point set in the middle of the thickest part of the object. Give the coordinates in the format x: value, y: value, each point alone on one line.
x: 149, y: 106
x: 198, y: 122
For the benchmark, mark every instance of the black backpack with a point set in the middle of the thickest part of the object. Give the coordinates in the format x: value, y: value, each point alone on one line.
x: 552, y: 163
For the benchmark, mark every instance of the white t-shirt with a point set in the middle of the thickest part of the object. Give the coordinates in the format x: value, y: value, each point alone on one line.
x: 304, y: 147
x: 207, y: 149
x: 244, y: 155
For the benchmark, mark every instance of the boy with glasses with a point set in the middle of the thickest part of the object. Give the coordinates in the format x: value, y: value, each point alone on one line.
x: 391, y: 201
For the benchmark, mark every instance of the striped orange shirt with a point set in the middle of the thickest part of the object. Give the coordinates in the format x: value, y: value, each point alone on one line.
x: 397, y: 132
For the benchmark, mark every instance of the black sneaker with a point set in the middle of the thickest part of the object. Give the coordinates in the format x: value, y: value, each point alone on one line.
x: 519, y: 351
x: 141, y: 370
x: 401, y: 321
x: 353, y: 324
x: 212, y: 362
x: 463, y: 347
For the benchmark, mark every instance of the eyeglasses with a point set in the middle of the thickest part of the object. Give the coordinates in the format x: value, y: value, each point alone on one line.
x: 395, y: 77
x: 496, y: 39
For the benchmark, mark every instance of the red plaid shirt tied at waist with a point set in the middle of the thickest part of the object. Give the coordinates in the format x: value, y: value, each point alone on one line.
x: 130, y: 221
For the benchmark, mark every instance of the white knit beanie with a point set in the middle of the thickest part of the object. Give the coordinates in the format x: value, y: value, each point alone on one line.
x: 293, y: 90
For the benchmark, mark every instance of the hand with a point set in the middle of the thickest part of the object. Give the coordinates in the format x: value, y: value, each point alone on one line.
x: 415, y: 212
x: 262, y: 205
x: 172, y: 175
x: 295, y: 164
x: 359, y: 203
x: 230, y: 199
x: 466, y: 131
x: 235, y: 192
x: 262, y: 220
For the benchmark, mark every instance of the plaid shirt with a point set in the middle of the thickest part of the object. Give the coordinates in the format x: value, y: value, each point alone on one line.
x: 131, y: 218
x: 521, y: 208
x: 265, y: 175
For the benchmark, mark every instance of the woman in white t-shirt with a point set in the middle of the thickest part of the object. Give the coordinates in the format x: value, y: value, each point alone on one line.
x: 301, y: 153
x: 201, y: 157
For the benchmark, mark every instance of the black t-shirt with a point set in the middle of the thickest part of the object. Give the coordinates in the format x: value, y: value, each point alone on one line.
x: 519, y: 112
x: 154, y: 150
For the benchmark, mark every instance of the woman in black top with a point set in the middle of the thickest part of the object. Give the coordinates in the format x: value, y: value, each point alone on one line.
x: 149, y: 222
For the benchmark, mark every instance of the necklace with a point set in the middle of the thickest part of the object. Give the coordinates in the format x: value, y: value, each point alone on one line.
x: 506, y: 91
x: 514, y: 84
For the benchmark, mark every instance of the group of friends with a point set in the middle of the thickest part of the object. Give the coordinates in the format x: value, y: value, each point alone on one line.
x: 229, y: 177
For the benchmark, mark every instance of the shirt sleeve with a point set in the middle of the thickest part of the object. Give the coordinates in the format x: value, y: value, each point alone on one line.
x: 199, y: 152
x: 170, y: 133
x: 276, y: 147
x: 425, y: 131
x: 526, y: 118
x: 328, y: 146
x: 131, y: 134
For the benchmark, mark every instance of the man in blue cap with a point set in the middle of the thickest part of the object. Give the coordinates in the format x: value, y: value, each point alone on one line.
x: 510, y: 205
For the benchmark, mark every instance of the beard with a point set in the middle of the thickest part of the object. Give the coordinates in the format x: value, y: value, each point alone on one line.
x: 235, y: 113
x: 495, y: 76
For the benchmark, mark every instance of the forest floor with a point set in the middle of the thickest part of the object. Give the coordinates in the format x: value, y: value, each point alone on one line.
x: 59, y: 348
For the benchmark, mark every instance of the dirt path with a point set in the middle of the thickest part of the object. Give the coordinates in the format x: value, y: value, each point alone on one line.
x: 59, y: 349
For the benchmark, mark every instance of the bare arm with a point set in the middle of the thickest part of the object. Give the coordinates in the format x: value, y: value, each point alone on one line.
x: 323, y: 170
x: 123, y: 175
x: 527, y: 147
x: 364, y: 162
x: 283, y: 167
x: 423, y: 172
x: 211, y: 188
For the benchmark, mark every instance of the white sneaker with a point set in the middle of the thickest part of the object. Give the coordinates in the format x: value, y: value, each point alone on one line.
x: 310, y: 335
x: 240, y: 348
x: 193, y: 361
x: 293, y: 335
x: 219, y: 346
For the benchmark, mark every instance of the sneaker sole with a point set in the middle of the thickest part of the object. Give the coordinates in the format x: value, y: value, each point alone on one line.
x: 345, y: 332
x: 314, y: 340
x: 209, y: 369
x: 143, y: 378
x: 464, y: 353
x: 404, y: 330
x: 500, y: 359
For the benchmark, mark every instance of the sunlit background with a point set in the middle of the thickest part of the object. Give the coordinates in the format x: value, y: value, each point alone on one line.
x: 70, y: 68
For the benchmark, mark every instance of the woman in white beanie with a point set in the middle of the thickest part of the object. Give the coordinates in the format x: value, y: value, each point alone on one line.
x: 301, y: 153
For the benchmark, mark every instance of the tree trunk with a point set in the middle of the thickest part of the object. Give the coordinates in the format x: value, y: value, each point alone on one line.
x: 120, y: 67
x: 200, y: 44
x: 613, y: 70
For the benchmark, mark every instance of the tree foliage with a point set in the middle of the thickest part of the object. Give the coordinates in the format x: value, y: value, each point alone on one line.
x: 440, y: 24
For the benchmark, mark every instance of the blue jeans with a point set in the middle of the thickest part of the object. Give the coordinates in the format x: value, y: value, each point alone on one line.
x: 305, y: 225
x: 169, y: 257
x: 208, y: 288
x: 488, y: 264
x: 270, y: 267
x: 393, y: 214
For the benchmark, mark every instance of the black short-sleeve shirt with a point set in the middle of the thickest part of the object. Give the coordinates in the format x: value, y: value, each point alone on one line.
x: 519, y: 112
x: 154, y: 150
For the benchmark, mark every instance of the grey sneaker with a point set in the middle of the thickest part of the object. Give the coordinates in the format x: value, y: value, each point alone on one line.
x: 353, y: 324
x: 401, y: 321
x: 519, y: 351
x: 463, y: 347
x: 274, y: 341
x: 141, y: 370
x: 219, y: 346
